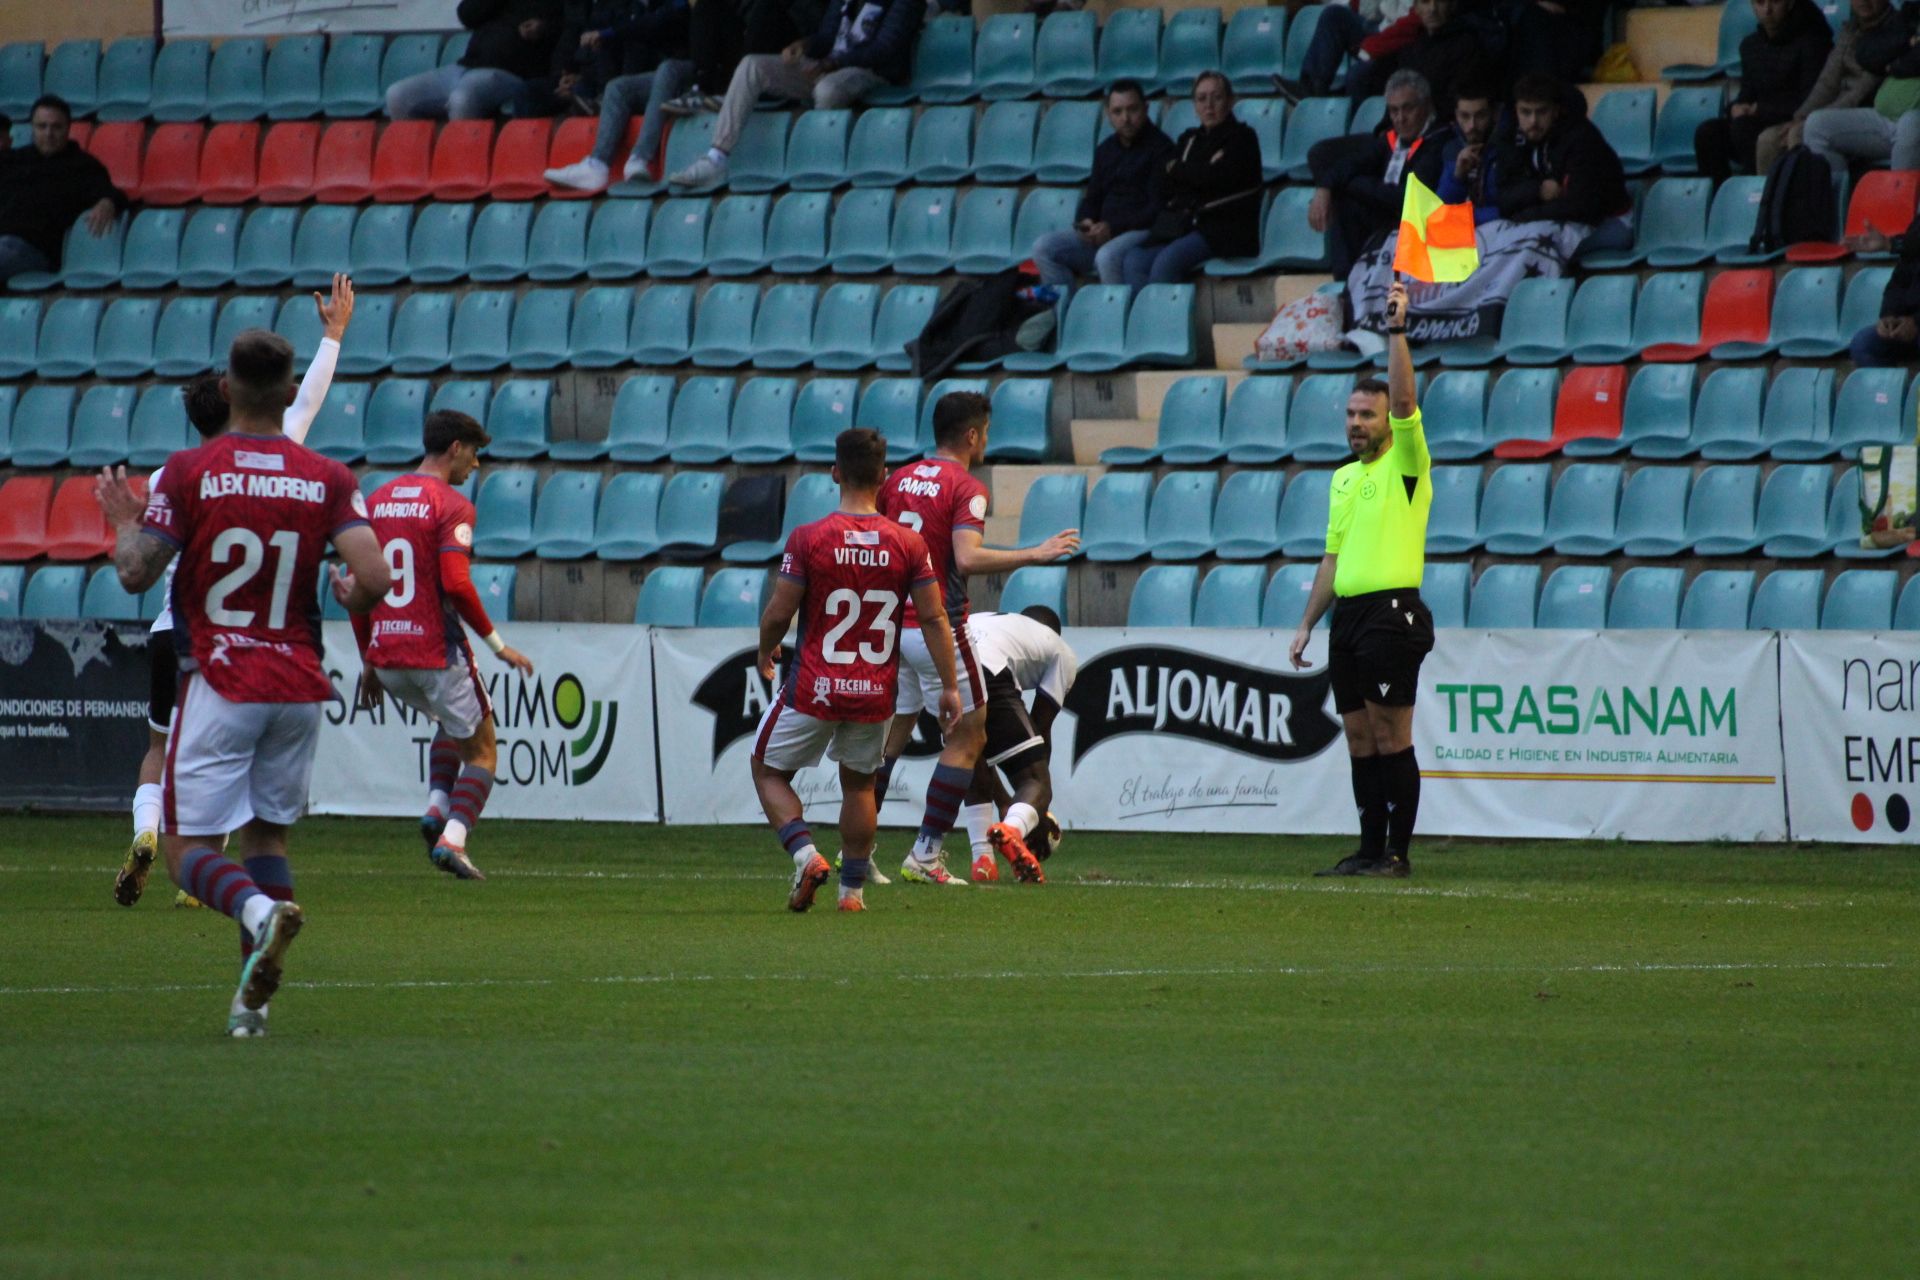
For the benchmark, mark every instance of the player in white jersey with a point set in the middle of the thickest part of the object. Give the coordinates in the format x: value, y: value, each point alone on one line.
x: 1022, y: 654
x: 207, y: 410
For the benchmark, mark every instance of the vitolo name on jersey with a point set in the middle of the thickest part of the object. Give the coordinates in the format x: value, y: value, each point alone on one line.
x: 1255, y: 711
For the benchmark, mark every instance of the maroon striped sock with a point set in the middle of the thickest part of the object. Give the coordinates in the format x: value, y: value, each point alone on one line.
x: 945, y: 791
x: 469, y: 798
x: 218, y: 882
x: 273, y: 875
x: 443, y: 766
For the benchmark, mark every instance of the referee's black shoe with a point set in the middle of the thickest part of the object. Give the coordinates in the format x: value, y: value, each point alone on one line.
x: 1391, y: 866
x: 1354, y: 864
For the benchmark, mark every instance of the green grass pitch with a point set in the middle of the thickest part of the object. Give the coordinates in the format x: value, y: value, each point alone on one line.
x: 621, y: 1056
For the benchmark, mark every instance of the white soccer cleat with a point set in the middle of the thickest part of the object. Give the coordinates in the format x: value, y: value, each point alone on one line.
x: 914, y: 871
x: 582, y: 175
x: 245, y: 1024
x: 874, y: 874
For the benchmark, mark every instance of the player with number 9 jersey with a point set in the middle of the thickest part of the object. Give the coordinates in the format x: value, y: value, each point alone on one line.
x: 425, y: 528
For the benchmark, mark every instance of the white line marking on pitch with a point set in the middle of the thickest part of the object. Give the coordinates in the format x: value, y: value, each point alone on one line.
x: 997, y: 975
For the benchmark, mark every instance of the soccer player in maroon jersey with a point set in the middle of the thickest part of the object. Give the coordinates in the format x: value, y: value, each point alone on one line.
x: 250, y: 514
x: 412, y: 644
x: 939, y: 499
x: 847, y: 575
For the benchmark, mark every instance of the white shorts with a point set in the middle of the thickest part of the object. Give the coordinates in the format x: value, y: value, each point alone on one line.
x: 919, y: 685
x: 451, y: 696
x: 792, y: 740
x: 231, y: 762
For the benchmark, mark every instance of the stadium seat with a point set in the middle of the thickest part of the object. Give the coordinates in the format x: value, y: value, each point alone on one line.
x: 106, y: 599
x: 101, y: 423
x: 76, y: 527
x: 1787, y: 600
x: 1883, y: 201
x: 942, y: 146
x: 1906, y: 615
x: 1189, y: 428
x: 520, y: 419
x: 723, y: 330
x: 19, y: 334
x: 670, y: 594
x: 503, y: 518
x: 1253, y: 51
x: 1721, y: 510
x: 761, y: 430
x: 1625, y: 118
x: 796, y: 234
x: 1868, y: 411
x: 9, y: 395
x: 1246, y: 524
x: 1653, y: 511
x: 24, y: 504
x: 495, y: 583
x: 126, y: 79
x: 1130, y: 47
x: 817, y: 150
x: 677, y: 240
x: 1844, y: 522
x: 598, y: 336
x: 1725, y: 424
x: 180, y: 81
x: 54, y: 592
x: 983, y: 239
x: 1285, y: 601
x: 1454, y: 407
x: 1303, y: 515
x: 322, y: 243
x: 1189, y: 44
x: 1659, y: 407
x: 1671, y: 229
x: 617, y: 239
x: 572, y: 140
x: 663, y: 324
x: 381, y: 235
x: 557, y: 245
x: 264, y: 255
x: 637, y: 431
x: 350, y: 81
x: 1648, y: 599
x: 403, y: 169
x: 538, y: 336
x: 697, y: 432
x: 518, y: 171
x: 1160, y: 326
x: 1064, y: 58
x: 1600, y: 323
x: 689, y: 138
x: 1792, y: 519
x: 922, y: 239
x: 299, y: 323
x: 1737, y: 22
x: 1589, y: 405
x: 1734, y: 318
x: 292, y: 85
x: 1667, y: 321
x: 732, y: 598
x: 1003, y: 147
x: 1055, y: 501
x: 150, y: 256
x: 1534, y: 330
x: 237, y: 315
x: 1313, y: 120
x: 1858, y: 600
x: 407, y: 55
x: 1859, y: 310
x: 1798, y: 422
x: 1505, y: 597
x: 1255, y: 427
x: 1044, y: 209
x: 87, y: 261
x: 737, y: 236
x: 72, y: 72
x: 1805, y: 320
x: 67, y: 336
x: 42, y: 426
x: 1116, y: 517
x: 1444, y: 588
x: 422, y: 333
x: 1094, y: 331
x: 758, y: 162
x: 1164, y: 597
x: 810, y: 497
x: 1717, y: 600
x: 1004, y: 57
x: 230, y: 164
x: 1513, y: 510
x: 843, y: 326
x: 690, y: 513
x: 1180, y: 518
x: 942, y: 64
x: 1731, y: 219
x: 340, y: 429
x: 367, y: 348
x: 124, y: 345
x: 1316, y: 422
x: 823, y: 409
x: 209, y: 249
x: 395, y: 414
x: 462, y: 160
x: 1230, y: 596
x: 120, y: 148
x: 344, y: 163
x: 1453, y: 523
x: 159, y: 427
x: 1063, y: 147
x: 1575, y: 599
x: 235, y: 88
x: 563, y: 521
x: 1285, y: 239
x: 480, y: 338
x: 1022, y: 410
x: 170, y: 173
x: 1684, y: 111
x: 1043, y: 586
x: 497, y: 250
x: 904, y: 312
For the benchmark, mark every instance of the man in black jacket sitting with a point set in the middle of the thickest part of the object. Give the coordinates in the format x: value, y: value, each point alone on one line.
x: 510, y: 48
x: 1557, y: 167
x: 1778, y: 66
x: 1123, y: 196
x: 43, y: 188
x: 1894, y: 339
x: 1360, y: 179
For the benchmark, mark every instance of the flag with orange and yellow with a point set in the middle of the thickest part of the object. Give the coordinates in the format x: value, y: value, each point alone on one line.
x: 1436, y: 239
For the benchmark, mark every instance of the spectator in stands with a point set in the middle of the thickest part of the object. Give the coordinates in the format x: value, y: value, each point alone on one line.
x: 1894, y: 340
x: 1211, y: 181
x: 1123, y: 197
x: 596, y: 38
x: 1555, y: 166
x: 1558, y: 38
x: 1359, y: 179
x: 860, y: 45
x: 1341, y: 33
x: 1779, y: 64
x: 1846, y: 80
x: 44, y: 187
x: 1466, y: 165
x: 722, y: 32
x: 1438, y: 39
x: 511, y: 48
x: 1888, y: 130
x: 659, y: 32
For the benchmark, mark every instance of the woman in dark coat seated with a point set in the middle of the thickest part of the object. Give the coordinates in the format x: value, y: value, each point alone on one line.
x: 1213, y: 193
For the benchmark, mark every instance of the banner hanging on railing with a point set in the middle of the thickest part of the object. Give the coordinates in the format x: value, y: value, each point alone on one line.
x: 1851, y: 703
x: 304, y: 17
x: 73, y: 713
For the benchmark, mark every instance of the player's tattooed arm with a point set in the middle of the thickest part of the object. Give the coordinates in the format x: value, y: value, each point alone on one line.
x: 139, y: 560
x: 781, y: 606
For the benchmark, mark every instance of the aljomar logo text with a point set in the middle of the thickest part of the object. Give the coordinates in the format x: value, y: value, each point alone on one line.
x: 1654, y: 710
x: 1252, y: 710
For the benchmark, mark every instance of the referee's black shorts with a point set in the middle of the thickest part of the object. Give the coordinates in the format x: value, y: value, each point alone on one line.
x: 1377, y: 644
x: 163, y: 680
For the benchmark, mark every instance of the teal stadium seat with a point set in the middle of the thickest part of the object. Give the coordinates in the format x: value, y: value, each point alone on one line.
x: 1859, y: 309
x: 637, y: 431
x: 1731, y: 218
x: 1513, y: 510
x: 1535, y: 328
x: 942, y: 147
x: 922, y: 241
x: 1684, y: 111
x: 1164, y: 596
x: 761, y: 432
x: 183, y: 340
x: 322, y: 242
x: 1036, y: 585
x: 1659, y: 408
x: 843, y: 326
x: 1454, y: 409
x: 702, y: 411
x: 100, y: 426
x: 396, y: 415
x: 617, y: 240
x: 455, y: 48
x: 150, y: 256
x: 1313, y: 120
x: 1003, y: 147
x: 126, y: 79
x: 891, y: 406
x: 1787, y: 600
x: 1180, y: 518
x: 1063, y: 147
x: 862, y: 231
x: 983, y: 241
x: 72, y: 72
x: 689, y: 138
x: 180, y: 81
x: 1189, y: 44
x: 942, y: 64
x: 54, y: 592
x: 823, y: 409
x: 677, y: 240
x: 670, y: 596
x: 350, y: 82
x: 495, y: 583
x: 542, y: 322
x: 1116, y: 517
x: 1285, y: 601
x: 380, y: 252
x: 482, y: 324
x: 1064, y: 54
x: 810, y: 497
x: 598, y: 338
x: 1906, y: 615
x: 1159, y: 327
x: 1316, y: 424
x: 817, y: 150
x: 293, y: 77
x: 1792, y: 519
x: 1285, y: 240
x: 1053, y: 502
x: 1672, y: 230
x: 1653, y: 511
x: 503, y: 517
x: 1505, y: 597
x: 1737, y: 22
x: 1721, y: 511
x: 106, y: 599
x: 1445, y: 587
x: 1869, y: 411
x: 1130, y: 47
x: 264, y: 257
x: 87, y: 261
x: 737, y: 236
x: 1646, y: 599
x: 19, y: 335
x: 1805, y: 319
x: 1717, y: 600
x: 758, y: 161
x: 1625, y: 119
x: 207, y: 249
x: 1453, y: 524
x: 732, y: 598
x: 238, y: 315
x: 783, y: 326
x: 1254, y: 49
x: 407, y: 55
x: 1300, y: 32
x: 1190, y: 422
x: 723, y: 329
x: 557, y: 246
x: 1095, y: 332
x: 440, y: 246
x: 797, y: 232
x: 663, y: 324
x: 904, y: 312
x: 1043, y: 209
x: 1600, y: 324
x: 1230, y: 596
x: 340, y: 428
x: 520, y: 419
x: 1575, y: 599
x: 1798, y: 422
x: 564, y: 520
x: 160, y: 427
x: 124, y: 345
x: 67, y: 334
x: 1004, y: 57
x: 299, y: 323
x: 236, y: 79
x: 690, y: 512
x: 498, y: 248
x: 1303, y: 515
x: 367, y: 348
x: 1584, y: 517
x: 1858, y: 600
x: 1022, y: 410
x: 1246, y: 519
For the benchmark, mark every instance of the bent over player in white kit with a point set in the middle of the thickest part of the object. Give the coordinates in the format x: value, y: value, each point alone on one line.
x: 847, y: 575
x: 1021, y: 653
x: 250, y: 514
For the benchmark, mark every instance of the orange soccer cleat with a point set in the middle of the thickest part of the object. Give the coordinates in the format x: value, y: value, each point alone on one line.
x: 1012, y: 847
x: 985, y: 869
x: 853, y: 901
x: 806, y: 882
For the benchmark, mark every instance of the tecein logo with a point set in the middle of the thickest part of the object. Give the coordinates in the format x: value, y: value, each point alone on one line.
x: 735, y: 695
x: 1258, y: 712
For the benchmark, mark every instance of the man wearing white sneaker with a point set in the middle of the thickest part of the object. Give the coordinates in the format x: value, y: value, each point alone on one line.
x: 645, y: 95
x: 861, y: 45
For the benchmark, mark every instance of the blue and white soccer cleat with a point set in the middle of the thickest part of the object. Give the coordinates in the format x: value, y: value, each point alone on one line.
x: 431, y: 829
x: 260, y: 975
x: 455, y: 862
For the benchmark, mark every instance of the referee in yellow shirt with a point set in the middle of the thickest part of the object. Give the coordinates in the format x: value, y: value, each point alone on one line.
x: 1376, y: 551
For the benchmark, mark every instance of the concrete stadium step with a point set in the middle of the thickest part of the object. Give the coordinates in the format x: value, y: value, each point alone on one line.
x: 1009, y: 483
x: 1092, y: 435
x: 1232, y: 343
x: 1661, y: 37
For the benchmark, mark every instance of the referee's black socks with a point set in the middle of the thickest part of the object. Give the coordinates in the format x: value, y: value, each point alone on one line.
x: 1400, y: 792
x: 1370, y: 798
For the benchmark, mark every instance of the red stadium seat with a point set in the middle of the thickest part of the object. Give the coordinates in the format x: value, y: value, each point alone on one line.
x: 80, y: 131
x: 1738, y: 308
x: 171, y: 171
x: 1883, y: 202
x: 24, y: 503
x: 230, y: 163
x: 520, y: 158
x: 76, y: 527
x: 1591, y: 398
x: 462, y: 160
x: 571, y: 143
x: 118, y: 147
x: 343, y: 165
x: 287, y: 161
x: 403, y: 162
